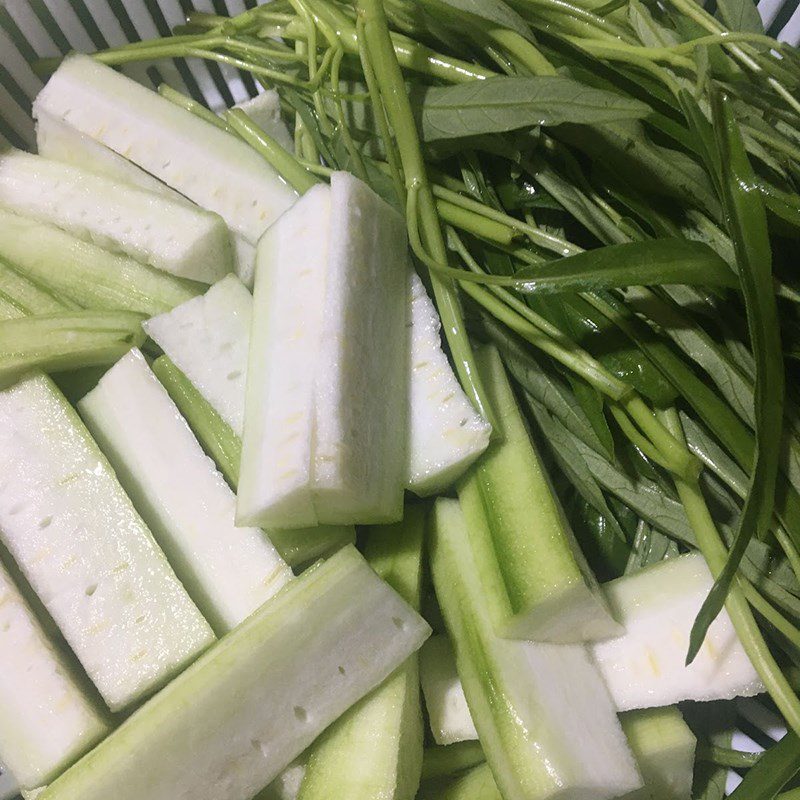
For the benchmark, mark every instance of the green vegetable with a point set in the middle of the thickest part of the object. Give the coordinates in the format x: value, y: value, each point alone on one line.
x: 66, y: 340
x: 340, y: 631
x: 536, y: 742
x: 506, y: 103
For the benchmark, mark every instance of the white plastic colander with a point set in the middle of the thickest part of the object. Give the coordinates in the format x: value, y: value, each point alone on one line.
x: 33, y: 29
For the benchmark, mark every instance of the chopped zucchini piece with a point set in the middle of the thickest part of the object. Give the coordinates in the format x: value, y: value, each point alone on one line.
x: 645, y: 667
x: 208, y: 165
x: 519, y: 530
x: 664, y: 747
x: 234, y: 720
x: 86, y: 552
x: 325, y: 407
x: 65, y: 341
x: 228, y: 571
x: 375, y: 749
x: 47, y: 721
x: 545, y: 719
x: 174, y: 237
x: 448, y: 712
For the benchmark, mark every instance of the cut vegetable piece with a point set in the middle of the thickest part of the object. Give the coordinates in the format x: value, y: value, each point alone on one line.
x: 325, y: 407
x: 68, y: 340
x: 546, y: 590
x: 265, y: 110
x: 298, y: 546
x: 174, y: 237
x: 234, y: 720
x: 202, y: 162
x: 545, y: 719
x: 448, y: 712
x: 46, y: 719
x: 361, y: 428
x: 645, y: 666
x: 85, y: 551
x: 277, y: 475
x: 20, y: 297
x: 228, y: 571
x: 207, y: 338
x: 664, y: 748
x: 59, y: 141
x: 375, y: 750
x: 446, y: 434
x: 8, y: 784
x: 85, y: 273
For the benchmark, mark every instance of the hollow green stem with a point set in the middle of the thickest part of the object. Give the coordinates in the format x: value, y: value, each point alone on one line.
x: 725, y: 756
x: 192, y: 106
x: 280, y: 159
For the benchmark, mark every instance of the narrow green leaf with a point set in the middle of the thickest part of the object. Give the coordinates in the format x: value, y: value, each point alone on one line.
x: 747, y: 225
x: 648, y: 263
x: 495, y: 12
x: 504, y: 103
x: 572, y: 464
x: 740, y: 15
x: 624, y: 148
x: 776, y: 767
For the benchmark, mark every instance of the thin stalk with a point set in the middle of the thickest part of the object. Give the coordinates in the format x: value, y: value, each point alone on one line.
x: 355, y: 155
x: 521, y: 50
x: 625, y: 53
x: 192, y: 106
x: 392, y: 90
x: 716, y: 555
x: 379, y: 113
x: 771, y: 614
x: 725, y: 756
x: 283, y: 162
x: 476, y: 224
x: 410, y: 54
x: 539, y: 237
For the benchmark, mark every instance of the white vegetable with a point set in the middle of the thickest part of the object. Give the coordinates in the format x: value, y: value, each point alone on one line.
x: 664, y: 747
x: 446, y: 434
x: 85, y: 551
x: 645, y: 667
x: 233, y: 721
x: 174, y: 237
x: 448, y: 712
x: 207, y: 338
x: 46, y: 719
x: 325, y: 408
x: 265, y: 110
x: 59, y: 141
x: 546, y: 722
x: 228, y: 571
x: 209, y: 166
